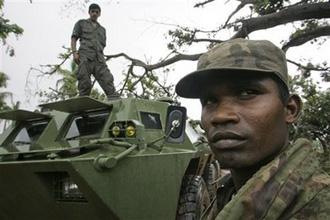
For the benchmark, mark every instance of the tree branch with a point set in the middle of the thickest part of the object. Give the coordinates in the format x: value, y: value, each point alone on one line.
x: 134, y: 61
x: 55, y: 67
x: 197, y: 40
x: 238, y: 8
x: 201, y: 4
x: 163, y: 87
x: 309, y: 68
x: 307, y: 36
x: 150, y: 67
x: 56, y: 91
x: 174, y: 59
x: 289, y: 14
x: 130, y: 70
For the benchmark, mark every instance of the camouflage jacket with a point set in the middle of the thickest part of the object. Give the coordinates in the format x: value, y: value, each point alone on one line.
x: 92, y: 38
x: 292, y: 186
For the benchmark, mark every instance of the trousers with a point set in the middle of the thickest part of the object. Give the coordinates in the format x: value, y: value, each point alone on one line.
x: 101, y: 73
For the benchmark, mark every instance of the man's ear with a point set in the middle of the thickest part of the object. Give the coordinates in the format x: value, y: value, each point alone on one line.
x: 293, y: 108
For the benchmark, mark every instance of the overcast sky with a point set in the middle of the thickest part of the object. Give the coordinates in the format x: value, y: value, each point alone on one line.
x: 132, y: 27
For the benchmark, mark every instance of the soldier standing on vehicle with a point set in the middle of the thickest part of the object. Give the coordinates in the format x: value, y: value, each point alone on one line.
x: 90, y: 57
x: 246, y: 110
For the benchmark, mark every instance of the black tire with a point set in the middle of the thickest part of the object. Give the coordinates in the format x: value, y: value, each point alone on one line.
x: 194, y: 198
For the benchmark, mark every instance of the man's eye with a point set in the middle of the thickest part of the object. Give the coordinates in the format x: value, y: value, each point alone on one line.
x: 247, y: 93
x: 208, y: 101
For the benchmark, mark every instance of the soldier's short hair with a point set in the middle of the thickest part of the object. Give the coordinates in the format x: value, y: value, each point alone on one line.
x: 94, y: 6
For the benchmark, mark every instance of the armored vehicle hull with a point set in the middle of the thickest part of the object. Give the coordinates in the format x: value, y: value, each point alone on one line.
x: 125, y: 159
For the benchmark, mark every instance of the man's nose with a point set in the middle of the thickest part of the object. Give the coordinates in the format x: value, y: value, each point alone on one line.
x: 225, y: 112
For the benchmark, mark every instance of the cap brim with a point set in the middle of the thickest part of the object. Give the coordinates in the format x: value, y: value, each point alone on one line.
x: 194, y: 84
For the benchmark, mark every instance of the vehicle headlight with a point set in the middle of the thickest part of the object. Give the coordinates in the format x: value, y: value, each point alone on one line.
x: 115, y: 131
x: 123, y: 129
x: 130, y: 131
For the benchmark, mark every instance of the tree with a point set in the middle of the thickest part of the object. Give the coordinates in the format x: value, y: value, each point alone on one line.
x: 66, y: 86
x: 314, y: 122
x: 312, y: 15
x: 311, y: 19
x: 3, y: 95
x: 6, y: 28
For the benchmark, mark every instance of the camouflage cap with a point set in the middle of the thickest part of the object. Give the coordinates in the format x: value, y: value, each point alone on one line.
x: 234, y: 56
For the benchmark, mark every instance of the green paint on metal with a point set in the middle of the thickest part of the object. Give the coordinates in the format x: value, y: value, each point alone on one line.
x: 21, y: 115
x: 98, y: 176
x: 77, y: 104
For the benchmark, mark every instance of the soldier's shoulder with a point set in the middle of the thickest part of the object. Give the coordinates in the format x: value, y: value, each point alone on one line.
x: 82, y: 21
x: 103, y: 28
x: 319, y: 205
x: 322, y: 177
x: 320, y: 185
x: 315, y: 199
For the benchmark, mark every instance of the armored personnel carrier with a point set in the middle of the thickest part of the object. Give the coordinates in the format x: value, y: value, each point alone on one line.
x: 125, y: 159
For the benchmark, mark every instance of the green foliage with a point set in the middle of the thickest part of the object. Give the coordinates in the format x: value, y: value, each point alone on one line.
x: 263, y: 7
x: 305, y: 27
x: 148, y: 86
x: 3, y: 80
x: 314, y: 122
x: 180, y: 37
x: 6, y: 28
x: 3, y: 94
x: 66, y: 86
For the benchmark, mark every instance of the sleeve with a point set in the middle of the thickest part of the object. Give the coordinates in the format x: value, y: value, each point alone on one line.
x: 76, y: 33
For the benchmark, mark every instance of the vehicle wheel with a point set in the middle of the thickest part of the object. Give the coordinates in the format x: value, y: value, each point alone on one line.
x: 194, y: 198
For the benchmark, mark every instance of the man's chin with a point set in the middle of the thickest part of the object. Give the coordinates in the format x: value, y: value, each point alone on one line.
x: 227, y: 164
x: 233, y: 163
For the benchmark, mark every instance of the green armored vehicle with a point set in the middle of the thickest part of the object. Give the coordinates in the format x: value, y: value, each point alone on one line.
x: 124, y: 159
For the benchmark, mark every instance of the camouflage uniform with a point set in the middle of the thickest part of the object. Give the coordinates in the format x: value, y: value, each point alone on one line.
x: 292, y: 186
x: 92, y: 42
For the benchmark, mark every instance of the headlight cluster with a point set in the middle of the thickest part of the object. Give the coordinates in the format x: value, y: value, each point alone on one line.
x: 123, y: 129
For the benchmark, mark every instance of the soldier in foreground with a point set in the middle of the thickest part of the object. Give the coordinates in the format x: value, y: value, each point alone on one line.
x: 246, y: 110
x: 90, y: 57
